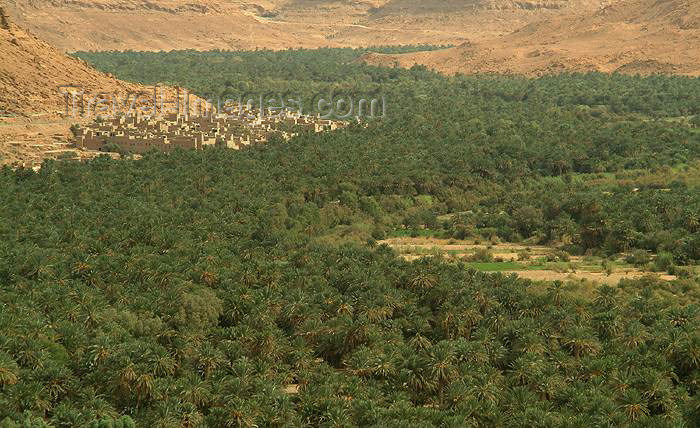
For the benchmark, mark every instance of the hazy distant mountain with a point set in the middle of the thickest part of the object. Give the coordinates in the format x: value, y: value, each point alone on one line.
x: 629, y: 36
x: 276, y: 24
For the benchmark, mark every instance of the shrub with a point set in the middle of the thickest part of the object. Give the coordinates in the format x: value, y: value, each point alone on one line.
x: 574, y: 250
x: 681, y: 272
x: 695, y: 121
x: 558, y: 256
x: 123, y: 422
x: 378, y: 233
x: 68, y: 155
x: 461, y: 233
x: 663, y: 262
x: 638, y: 258
x: 482, y: 255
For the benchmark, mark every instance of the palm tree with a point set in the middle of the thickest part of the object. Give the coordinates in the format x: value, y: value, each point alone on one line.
x: 441, y: 365
x: 99, y: 351
x: 689, y: 354
x: 196, y: 392
x: 659, y: 393
x: 209, y: 359
x: 486, y: 389
x: 556, y: 292
x: 581, y: 341
x: 144, y: 387
x: 526, y: 370
x: 240, y: 415
x: 520, y: 401
x: 634, y: 335
x: 9, y: 370
x: 418, y: 379
x: 484, y: 301
x: 419, y: 342
x: 634, y: 405
x: 423, y: 281
x: 606, y: 297
x: 163, y: 365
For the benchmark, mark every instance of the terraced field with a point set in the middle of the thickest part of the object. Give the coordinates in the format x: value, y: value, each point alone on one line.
x: 538, y: 263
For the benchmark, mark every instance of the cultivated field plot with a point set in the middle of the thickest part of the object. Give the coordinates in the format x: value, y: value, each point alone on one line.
x: 536, y: 262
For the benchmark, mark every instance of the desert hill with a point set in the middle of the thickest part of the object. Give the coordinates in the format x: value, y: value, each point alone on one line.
x: 31, y: 72
x: 628, y: 36
x: 276, y: 24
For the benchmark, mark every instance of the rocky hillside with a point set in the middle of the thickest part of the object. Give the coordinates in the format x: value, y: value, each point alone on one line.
x: 33, y: 123
x: 628, y: 36
x: 277, y: 24
x: 31, y: 72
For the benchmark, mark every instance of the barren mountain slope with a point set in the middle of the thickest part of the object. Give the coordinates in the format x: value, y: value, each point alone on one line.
x: 31, y: 72
x: 143, y: 24
x: 33, y: 123
x: 276, y: 24
x: 629, y: 36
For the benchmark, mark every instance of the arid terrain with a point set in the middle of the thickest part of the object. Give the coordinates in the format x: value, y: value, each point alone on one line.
x: 277, y: 24
x: 627, y: 36
x: 32, y: 71
x: 34, y: 121
x: 532, y: 37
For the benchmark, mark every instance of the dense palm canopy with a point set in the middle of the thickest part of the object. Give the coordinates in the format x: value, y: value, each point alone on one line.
x: 596, y: 161
x: 223, y: 288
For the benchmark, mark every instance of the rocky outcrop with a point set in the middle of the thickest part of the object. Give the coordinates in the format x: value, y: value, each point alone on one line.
x: 4, y: 19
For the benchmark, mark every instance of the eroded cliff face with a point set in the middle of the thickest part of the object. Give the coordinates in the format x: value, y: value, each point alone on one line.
x: 276, y: 24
